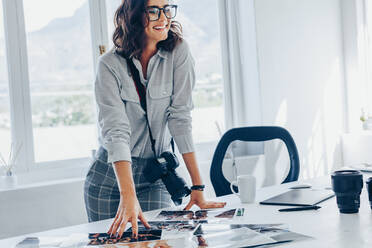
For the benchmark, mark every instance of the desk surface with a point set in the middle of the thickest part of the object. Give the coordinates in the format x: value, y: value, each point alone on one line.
x: 328, y: 227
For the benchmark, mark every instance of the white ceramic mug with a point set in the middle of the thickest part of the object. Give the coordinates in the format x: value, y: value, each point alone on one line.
x: 247, y: 188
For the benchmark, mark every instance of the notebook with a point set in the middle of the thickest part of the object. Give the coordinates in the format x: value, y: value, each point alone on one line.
x: 300, y: 197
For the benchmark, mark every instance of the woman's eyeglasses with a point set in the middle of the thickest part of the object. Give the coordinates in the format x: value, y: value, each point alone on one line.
x: 154, y: 12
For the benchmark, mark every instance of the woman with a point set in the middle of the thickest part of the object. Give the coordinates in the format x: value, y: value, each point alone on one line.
x: 115, y: 185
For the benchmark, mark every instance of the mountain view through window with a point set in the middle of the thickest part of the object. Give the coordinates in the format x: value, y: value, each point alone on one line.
x: 61, y: 78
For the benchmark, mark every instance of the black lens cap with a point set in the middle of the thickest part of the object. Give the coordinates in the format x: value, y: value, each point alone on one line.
x: 346, y: 173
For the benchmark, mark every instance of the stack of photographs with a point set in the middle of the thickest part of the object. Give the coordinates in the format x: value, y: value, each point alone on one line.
x: 202, y: 228
x: 244, y: 235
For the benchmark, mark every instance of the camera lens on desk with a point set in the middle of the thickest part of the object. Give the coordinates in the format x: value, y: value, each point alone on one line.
x: 369, y: 189
x: 347, y: 185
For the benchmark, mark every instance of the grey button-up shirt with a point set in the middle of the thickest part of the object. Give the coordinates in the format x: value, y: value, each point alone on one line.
x: 122, y: 123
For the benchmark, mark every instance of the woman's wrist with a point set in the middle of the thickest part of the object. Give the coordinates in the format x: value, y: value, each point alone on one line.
x: 127, y: 188
x: 128, y: 192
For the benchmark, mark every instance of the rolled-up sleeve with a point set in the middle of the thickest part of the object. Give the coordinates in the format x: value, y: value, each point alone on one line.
x: 179, y: 117
x: 113, y: 120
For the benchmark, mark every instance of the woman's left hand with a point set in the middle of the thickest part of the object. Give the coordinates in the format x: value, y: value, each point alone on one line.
x: 197, y: 198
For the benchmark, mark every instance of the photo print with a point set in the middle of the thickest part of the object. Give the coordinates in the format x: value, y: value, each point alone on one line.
x: 199, y: 215
x: 179, y: 226
x: 143, y: 235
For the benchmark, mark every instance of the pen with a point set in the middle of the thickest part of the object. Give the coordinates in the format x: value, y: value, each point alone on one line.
x: 313, y: 207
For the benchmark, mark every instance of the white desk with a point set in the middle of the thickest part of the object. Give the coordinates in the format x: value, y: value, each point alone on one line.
x: 328, y: 227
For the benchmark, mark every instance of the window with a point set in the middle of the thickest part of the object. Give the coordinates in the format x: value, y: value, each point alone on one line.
x: 111, y: 6
x: 55, y: 114
x: 61, y: 75
x: 4, y: 94
x: 368, y: 19
x: 201, y: 31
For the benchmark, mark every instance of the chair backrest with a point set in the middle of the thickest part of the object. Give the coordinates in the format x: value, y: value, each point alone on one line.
x: 261, y: 133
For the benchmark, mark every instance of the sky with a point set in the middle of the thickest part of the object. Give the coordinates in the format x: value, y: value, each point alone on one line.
x: 38, y: 13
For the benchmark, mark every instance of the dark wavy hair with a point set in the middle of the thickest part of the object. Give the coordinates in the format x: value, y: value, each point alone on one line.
x: 129, y: 35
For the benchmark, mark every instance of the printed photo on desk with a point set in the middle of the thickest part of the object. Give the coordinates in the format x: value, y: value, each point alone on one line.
x: 276, y: 233
x: 197, y: 215
x: 239, y: 237
x: 178, y: 226
x: 143, y: 235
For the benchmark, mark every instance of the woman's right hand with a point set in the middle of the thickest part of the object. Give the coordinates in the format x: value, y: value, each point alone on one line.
x: 129, y: 210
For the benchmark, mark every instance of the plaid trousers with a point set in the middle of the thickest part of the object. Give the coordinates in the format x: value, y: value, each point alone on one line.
x: 101, y: 192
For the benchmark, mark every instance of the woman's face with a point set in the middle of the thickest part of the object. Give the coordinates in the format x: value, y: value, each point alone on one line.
x: 156, y: 31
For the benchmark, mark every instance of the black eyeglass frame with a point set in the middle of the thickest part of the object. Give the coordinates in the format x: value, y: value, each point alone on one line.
x: 161, y: 9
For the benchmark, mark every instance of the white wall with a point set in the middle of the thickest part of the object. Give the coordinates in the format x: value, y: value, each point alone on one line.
x: 300, y: 53
x: 41, y: 206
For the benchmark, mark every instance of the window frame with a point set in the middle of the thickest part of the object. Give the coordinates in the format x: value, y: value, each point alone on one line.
x: 365, y: 50
x: 18, y: 80
x: 19, y: 83
x: 356, y: 61
x: 19, y: 87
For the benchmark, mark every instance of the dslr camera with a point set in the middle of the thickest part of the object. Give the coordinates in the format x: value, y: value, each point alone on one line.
x: 164, y: 168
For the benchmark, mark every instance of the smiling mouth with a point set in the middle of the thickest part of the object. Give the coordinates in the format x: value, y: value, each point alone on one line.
x: 160, y: 28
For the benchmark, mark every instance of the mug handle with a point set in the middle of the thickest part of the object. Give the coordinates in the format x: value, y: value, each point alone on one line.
x: 234, y: 183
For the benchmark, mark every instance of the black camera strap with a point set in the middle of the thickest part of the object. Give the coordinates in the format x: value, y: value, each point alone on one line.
x: 141, y: 91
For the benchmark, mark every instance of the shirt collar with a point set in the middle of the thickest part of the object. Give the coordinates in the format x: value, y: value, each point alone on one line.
x: 162, y: 53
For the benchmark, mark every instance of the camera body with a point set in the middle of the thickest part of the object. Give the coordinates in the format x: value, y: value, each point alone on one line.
x: 164, y: 168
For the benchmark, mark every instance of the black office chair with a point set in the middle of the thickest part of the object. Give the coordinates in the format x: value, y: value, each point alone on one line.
x: 262, y: 133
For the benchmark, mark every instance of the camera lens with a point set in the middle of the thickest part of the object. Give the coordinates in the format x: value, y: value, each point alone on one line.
x: 369, y: 189
x: 347, y: 185
x: 176, y: 187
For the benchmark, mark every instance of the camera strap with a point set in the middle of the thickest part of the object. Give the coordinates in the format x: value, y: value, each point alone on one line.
x: 141, y: 91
